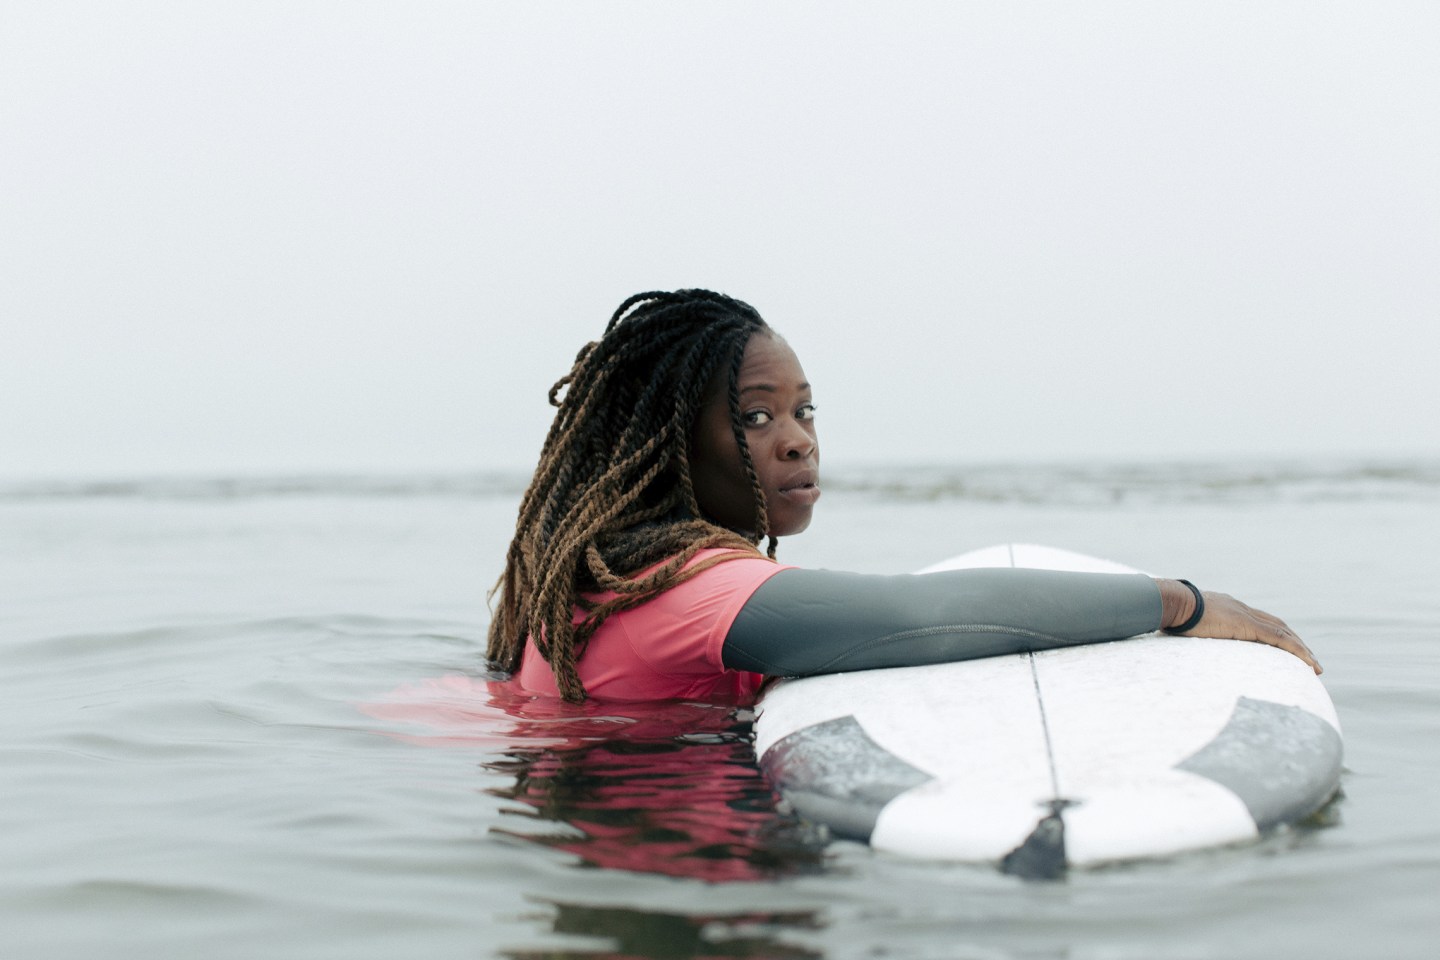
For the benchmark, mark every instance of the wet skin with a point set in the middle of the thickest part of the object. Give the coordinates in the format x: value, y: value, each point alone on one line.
x: 778, y: 417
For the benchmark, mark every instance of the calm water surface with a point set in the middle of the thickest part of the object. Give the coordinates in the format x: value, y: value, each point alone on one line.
x: 248, y: 718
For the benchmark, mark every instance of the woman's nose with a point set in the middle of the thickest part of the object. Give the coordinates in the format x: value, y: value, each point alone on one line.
x: 796, y: 443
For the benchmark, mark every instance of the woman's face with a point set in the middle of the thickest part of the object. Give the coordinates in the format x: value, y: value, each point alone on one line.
x: 779, y: 422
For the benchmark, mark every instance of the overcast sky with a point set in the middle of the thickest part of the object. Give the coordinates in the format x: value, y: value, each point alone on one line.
x: 264, y: 237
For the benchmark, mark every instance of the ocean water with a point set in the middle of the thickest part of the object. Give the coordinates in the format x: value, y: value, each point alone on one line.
x: 248, y: 718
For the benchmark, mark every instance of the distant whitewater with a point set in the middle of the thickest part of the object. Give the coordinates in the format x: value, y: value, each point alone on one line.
x: 1070, y: 484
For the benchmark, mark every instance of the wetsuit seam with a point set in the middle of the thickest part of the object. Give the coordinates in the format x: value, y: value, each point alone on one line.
x: 765, y: 666
x: 961, y: 628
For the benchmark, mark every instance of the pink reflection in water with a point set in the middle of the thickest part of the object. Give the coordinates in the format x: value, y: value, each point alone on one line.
x: 669, y: 788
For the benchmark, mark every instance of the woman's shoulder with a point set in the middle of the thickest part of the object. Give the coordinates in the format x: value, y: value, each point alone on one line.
x: 736, y: 561
x: 682, y: 630
x: 722, y: 565
x: 670, y: 645
x: 711, y: 588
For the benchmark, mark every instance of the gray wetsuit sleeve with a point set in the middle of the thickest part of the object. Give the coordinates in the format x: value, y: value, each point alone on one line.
x: 802, y: 622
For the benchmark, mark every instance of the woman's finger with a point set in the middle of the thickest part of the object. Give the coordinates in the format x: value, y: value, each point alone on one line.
x: 1228, y: 618
x: 1287, y: 640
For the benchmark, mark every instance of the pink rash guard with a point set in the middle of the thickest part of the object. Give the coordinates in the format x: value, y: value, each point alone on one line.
x: 669, y: 647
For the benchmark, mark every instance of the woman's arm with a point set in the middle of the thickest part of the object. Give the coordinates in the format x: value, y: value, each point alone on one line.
x: 802, y: 622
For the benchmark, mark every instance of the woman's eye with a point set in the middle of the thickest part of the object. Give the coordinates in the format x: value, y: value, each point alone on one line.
x: 806, y: 412
x: 757, y: 418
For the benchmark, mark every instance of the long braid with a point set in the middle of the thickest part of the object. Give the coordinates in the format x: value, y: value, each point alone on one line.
x: 612, y: 495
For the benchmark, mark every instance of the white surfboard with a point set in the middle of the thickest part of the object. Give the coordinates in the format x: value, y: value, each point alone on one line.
x: 1076, y: 757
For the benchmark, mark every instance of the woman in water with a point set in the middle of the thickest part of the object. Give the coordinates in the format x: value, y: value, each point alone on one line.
x: 684, y: 438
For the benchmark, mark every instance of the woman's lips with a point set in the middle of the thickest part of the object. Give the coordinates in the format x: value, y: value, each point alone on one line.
x: 804, y: 493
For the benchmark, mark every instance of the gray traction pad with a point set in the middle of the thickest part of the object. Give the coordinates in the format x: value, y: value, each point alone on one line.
x: 834, y: 773
x: 1242, y: 758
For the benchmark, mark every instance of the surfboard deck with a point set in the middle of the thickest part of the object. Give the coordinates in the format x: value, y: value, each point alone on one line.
x: 1039, y: 762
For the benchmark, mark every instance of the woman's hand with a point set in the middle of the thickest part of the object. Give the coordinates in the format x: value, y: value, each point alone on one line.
x: 1229, y: 619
